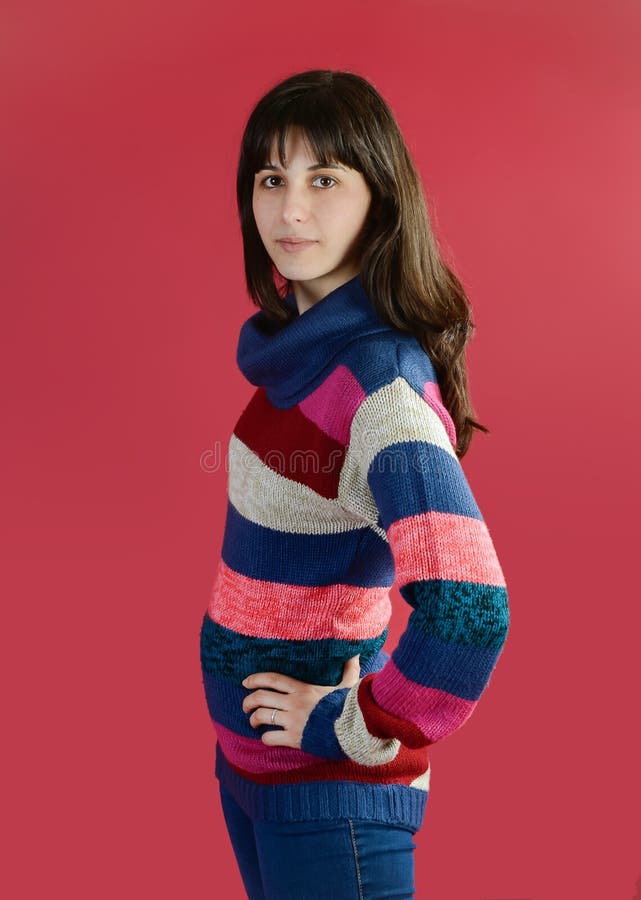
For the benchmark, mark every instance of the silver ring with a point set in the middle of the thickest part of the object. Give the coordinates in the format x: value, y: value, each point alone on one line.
x: 274, y: 715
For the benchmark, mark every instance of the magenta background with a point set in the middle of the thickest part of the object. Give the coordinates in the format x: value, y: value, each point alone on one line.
x: 122, y: 296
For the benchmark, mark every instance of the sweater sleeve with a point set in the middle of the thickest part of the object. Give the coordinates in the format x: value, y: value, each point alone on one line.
x: 402, y: 473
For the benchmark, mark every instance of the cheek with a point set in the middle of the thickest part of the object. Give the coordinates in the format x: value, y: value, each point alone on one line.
x: 260, y: 225
x: 359, y: 220
x: 257, y: 203
x: 349, y: 222
x: 263, y: 213
x: 255, y: 208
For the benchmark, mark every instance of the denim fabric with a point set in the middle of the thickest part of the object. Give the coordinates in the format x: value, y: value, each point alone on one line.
x: 336, y: 859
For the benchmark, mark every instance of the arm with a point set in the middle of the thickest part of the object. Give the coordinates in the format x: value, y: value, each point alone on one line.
x: 402, y: 465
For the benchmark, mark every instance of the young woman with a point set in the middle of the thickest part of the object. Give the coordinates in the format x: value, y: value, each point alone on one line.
x: 344, y: 479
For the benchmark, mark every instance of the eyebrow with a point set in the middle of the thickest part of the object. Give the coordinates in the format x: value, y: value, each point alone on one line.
x: 309, y: 168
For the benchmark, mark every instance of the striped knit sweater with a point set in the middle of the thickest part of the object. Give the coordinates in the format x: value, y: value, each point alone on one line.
x: 343, y: 481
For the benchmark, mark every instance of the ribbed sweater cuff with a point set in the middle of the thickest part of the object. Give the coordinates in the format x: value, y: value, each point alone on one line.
x: 318, y: 736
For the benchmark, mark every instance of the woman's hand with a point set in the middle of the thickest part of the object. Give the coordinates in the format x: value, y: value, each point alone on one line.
x: 293, y: 705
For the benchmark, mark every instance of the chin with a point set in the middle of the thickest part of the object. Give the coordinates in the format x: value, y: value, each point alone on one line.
x: 301, y: 273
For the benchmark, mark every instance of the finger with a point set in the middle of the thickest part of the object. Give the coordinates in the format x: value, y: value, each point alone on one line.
x: 280, y: 738
x: 274, y: 680
x: 351, y: 670
x: 263, y: 716
x: 271, y: 699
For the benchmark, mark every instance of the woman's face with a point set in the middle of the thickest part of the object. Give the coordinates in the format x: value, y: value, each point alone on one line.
x: 324, y: 206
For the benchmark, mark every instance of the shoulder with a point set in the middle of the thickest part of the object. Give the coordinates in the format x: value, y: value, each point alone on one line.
x: 397, y: 381
x: 377, y: 378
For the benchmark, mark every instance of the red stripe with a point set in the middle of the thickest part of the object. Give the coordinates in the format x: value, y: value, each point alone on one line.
x: 405, y: 768
x: 291, y: 444
x: 382, y: 724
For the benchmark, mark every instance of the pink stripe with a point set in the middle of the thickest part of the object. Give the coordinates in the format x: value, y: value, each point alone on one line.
x: 432, y: 395
x: 253, y: 755
x: 322, y: 408
x: 437, y: 713
x: 444, y: 545
x: 267, y: 609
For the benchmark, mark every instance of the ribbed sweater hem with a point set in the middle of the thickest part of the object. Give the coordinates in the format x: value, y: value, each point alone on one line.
x: 393, y: 804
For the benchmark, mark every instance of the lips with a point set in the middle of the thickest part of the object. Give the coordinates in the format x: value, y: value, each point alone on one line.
x: 293, y: 245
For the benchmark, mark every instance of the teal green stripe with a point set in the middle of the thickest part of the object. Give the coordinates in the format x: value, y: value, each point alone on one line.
x: 232, y: 655
x: 459, y: 612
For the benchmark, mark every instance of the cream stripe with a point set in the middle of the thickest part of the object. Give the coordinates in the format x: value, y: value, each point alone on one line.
x: 355, y: 739
x: 394, y: 413
x: 423, y: 781
x: 267, y: 498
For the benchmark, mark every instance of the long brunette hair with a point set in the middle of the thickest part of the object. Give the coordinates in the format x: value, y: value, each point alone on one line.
x: 345, y: 120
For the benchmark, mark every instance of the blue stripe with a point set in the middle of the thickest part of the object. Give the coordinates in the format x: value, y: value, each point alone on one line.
x: 396, y: 804
x: 374, y: 565
x: 313, y: 560
x: 412, y: 477
x: 224, y: 702
x: 458, y: 669
x: 319, y: 737
x: 414, y: 364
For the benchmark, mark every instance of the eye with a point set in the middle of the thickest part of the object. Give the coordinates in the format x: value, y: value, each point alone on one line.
x: 326, y: 178
x: 265, y: 180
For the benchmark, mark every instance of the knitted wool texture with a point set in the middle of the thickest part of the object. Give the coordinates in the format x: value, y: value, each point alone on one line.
x: 343, y: 481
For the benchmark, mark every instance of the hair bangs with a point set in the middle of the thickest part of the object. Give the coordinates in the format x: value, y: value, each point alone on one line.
x: 326, y: 129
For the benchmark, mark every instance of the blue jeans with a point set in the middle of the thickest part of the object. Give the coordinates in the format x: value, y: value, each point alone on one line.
x: 340, y: 859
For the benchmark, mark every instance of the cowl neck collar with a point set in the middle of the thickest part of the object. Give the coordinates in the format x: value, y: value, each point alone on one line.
x: 287, y: 359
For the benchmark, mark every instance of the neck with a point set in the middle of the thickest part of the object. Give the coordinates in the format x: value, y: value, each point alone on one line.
x: 309, y: 293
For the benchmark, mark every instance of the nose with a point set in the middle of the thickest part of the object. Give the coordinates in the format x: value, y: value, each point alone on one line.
x: 295, y: 207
